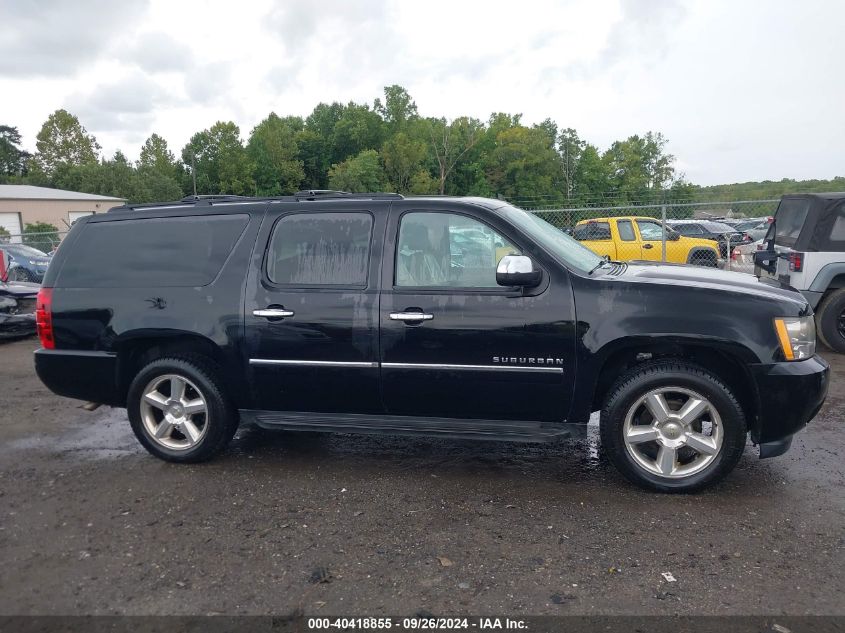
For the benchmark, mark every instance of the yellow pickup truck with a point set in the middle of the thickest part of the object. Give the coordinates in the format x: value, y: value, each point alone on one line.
x: 635, y: 237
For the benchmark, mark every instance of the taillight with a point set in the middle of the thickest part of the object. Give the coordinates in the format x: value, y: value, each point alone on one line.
x: 796, y: 262
x: 44, y: 318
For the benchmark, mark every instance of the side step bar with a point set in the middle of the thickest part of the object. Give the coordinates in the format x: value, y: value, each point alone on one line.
x: 496, y: 430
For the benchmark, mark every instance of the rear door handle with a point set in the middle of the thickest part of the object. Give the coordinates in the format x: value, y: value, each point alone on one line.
x: 411, y: 316
x: 273, y: 313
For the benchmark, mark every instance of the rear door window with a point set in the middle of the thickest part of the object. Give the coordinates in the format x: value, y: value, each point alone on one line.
x: 789, y: 220
x: 320, y: 249
x: 626, y: 231
x: 152, y: 252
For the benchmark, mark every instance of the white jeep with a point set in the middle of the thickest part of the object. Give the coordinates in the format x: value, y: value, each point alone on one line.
x: 805, y: 249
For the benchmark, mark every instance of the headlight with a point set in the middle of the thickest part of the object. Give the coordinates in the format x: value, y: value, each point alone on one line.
x: 797, y: 337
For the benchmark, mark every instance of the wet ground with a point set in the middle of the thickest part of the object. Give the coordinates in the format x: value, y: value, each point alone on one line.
x: 90, y: 524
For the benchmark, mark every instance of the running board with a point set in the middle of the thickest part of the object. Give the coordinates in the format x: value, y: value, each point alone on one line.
x: 496, y: 430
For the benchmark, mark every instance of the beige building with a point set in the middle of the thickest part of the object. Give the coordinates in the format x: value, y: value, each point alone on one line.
x: 23, y: 204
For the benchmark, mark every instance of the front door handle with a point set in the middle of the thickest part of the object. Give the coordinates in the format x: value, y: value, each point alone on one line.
x: 411, y: 316
x: 273, y: 313
x: 648, y: 245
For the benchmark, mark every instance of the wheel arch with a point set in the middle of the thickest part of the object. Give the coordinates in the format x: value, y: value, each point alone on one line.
x: 728, y: 361
x: 703, y: 250
x: 135, y: 352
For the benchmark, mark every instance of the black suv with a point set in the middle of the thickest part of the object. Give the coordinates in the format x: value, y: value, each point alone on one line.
x: 459, y: 317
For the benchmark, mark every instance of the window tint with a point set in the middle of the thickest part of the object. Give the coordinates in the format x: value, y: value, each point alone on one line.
x: 156, y: 252
x: 789, y: 220
x: 320, y: 249
x: 650, y: 230
x: 626, y: 230
x: 444, y: 249
x: 592, y: 231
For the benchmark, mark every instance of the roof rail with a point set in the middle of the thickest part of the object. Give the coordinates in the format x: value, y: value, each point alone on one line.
x: 320, y: 194
x: 212, y: 197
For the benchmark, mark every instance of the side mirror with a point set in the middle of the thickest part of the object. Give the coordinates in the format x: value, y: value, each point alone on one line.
x: 673, y: 236
x: 517, y: 270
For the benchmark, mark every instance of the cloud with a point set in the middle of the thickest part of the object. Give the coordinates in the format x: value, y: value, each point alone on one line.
x: 55, y: 38
x: 127, y: 104
x: 158, y: 52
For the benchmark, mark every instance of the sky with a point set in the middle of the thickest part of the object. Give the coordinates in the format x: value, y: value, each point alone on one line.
x: 742, y: 89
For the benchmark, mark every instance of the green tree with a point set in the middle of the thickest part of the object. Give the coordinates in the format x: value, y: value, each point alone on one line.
x: 591, y: 178
x: 273, y: 151
x: 12, y: 157
x: 62, y: 141
x: 397, y: 109
x: 220, y: 160
x: 525, y: 166
x: 4, y: 235
x: 403, y: 159
x: 571, y: 148
x: 451, y: 143
x: 357, y: 129
x: 638, y: 167
x: 360, y: 174
x: 157, y: 172
x: 40, y: 235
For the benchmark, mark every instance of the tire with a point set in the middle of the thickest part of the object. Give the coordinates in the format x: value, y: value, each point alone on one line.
x: 685, y: 468
x: 830, y: 321
x: 704, y: 258
x: 192, y: 428
x: 20, y: 274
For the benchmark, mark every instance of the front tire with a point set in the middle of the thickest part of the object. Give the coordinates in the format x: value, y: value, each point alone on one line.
x: 179, y: 411
x: 830, y: 321
x: 672, y: 426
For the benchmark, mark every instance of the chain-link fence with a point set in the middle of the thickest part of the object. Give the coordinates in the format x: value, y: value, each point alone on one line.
x: 699, y: 233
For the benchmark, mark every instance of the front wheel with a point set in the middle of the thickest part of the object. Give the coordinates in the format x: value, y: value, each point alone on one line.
x: 830, y: 321
x: 672, y: 426
x: 179, y: 411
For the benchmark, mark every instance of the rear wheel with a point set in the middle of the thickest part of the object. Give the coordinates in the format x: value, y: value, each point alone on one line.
x: 704, y: 258
x: 672, y: 426
x: 830, y: 320
x: 179, y: 411
x: 20, y: 274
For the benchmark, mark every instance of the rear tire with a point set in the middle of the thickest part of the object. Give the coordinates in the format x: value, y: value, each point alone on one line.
x: 20, y: 274
x: 179, y: 410
x: 830, y: 321
x: 704, y: 258
x: 695, y: 437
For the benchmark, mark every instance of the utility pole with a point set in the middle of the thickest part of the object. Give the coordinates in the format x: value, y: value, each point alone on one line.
x: 194, y: 172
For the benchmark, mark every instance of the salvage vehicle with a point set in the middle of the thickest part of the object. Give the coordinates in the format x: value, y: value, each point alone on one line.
x: 437, y: 316
x: 17, y: 309
x: 723, y: 234
x: 26, y: 263
x: 641, y: 238
x: 805, y: 250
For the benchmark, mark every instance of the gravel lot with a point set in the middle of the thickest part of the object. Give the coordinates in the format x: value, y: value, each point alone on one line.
x: 383, y: 525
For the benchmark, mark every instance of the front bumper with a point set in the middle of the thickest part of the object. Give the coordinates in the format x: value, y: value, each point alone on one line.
x: 790, y: 394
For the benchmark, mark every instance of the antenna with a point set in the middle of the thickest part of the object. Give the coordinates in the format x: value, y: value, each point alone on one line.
x: 194, y: 172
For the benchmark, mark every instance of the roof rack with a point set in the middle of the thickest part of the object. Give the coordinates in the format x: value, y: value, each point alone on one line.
x: 213, y: 197
x: 309, y: 194
x: 320, y: 194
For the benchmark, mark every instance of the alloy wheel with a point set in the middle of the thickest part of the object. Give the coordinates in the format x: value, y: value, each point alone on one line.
x: 174, y: 412
x: 673, y: 432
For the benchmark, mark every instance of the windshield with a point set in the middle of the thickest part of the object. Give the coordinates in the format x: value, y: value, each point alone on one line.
x: 552, y: 239
x: 22, y: 249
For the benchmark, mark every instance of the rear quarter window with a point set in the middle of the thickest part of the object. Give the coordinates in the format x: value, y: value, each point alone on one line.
x: 153, y: 252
